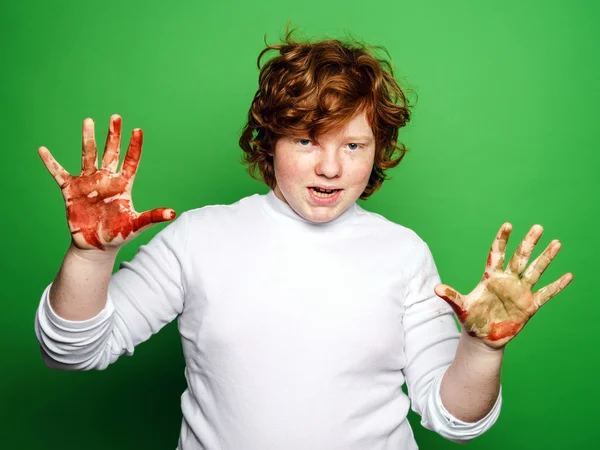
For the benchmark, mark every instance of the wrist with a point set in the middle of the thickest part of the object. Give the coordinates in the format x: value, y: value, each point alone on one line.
x: 479, y: 348
x: 96, y: 256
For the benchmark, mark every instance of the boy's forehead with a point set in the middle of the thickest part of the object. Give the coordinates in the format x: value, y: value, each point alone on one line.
x: 356, y: 127
x: 359, y: 123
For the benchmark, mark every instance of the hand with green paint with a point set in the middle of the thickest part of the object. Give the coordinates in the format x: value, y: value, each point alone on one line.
x: 503, y: 301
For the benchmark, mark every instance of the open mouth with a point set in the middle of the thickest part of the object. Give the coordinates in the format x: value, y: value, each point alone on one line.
x: 324, y: 193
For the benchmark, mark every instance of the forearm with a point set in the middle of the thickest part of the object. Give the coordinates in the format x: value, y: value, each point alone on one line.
x: 79, y: 291
x: 471, y: 385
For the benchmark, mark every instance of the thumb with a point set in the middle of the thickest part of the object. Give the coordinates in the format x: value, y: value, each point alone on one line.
x: 453, y: 298
x: 151, y: 217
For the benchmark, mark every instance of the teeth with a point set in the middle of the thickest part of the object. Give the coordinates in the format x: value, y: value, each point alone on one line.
x: 323, y: 193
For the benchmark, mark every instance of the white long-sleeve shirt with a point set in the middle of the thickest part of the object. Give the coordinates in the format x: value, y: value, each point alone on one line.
x: 296, y: 335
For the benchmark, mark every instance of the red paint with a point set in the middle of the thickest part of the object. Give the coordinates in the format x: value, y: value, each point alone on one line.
x: 502, y: 330
x: 98, y: 202
x: 111, y: 149
x: 96, y: 220
x: 460, y: 313
x: 100, y: 222
x: 489, y: 260
x: 134, y: 152
x: 486, y: 274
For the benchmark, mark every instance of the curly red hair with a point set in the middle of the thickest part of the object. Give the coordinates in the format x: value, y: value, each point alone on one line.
x: 316, y: 87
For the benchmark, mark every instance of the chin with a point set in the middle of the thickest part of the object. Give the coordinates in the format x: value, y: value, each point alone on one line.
x: 320, y: 219
x: 323, y: 217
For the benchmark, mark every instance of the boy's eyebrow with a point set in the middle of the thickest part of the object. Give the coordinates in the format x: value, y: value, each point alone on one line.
x: 365, y: 137
x: 352, y: 138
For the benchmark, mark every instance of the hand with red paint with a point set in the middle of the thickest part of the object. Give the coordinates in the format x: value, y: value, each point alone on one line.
x: 503, y: 301
x: 100, y: 211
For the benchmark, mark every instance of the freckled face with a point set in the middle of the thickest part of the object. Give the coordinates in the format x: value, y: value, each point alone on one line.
x: 321, y: 179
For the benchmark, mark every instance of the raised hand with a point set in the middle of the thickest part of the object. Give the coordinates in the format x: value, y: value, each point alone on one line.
x: 100, y: 211
x: 503, y: 301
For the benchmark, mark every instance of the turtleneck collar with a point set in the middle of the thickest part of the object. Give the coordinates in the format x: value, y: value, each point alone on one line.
x: 280, y: 210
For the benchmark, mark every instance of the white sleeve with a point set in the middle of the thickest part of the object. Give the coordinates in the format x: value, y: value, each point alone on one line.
x: 143, y: 296
x: 431, y: 337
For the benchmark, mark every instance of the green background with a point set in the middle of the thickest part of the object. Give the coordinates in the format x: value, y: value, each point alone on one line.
x: 504, y: 130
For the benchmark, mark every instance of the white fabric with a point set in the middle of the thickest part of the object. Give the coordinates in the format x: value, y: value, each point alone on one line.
x: 296, y: 335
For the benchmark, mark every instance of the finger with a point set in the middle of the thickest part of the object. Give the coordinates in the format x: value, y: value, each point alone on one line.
x: 547, y: 292
x: 541, y: 263
x: 110, y: 158
x: 453, y: 298
x: 134, y: 153
x: 57, y: 171
x: 151, y: 217
x: 89, y: 159
x: 519, y: 259
x: 495, y: 259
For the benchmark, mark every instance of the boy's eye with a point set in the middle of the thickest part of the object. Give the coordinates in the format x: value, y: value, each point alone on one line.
x: 353, y: 146
x: 304, y: 142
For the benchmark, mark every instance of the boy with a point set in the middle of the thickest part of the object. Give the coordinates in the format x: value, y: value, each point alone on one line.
x: 301, y: 314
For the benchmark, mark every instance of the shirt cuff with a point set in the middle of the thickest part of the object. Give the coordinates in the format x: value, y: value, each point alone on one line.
x: 453, y: 428
x: 74, y: 325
